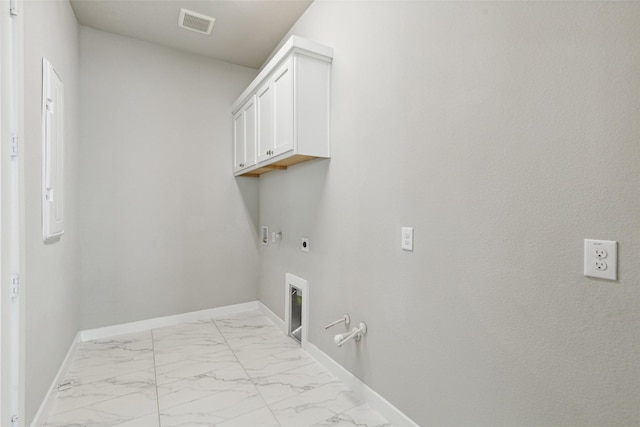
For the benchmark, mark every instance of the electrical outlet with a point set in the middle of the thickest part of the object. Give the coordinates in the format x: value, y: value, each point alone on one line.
x: 406, y: 242
x: 600, y: 253
x: 600, y: 265
x: 601, y: 259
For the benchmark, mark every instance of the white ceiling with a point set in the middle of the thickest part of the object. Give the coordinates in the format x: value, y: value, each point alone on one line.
x: 245, y: 31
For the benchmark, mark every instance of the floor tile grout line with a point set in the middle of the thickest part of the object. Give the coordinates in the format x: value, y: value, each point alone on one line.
x: 101, y: 380
x: 200, y: 398
x: 336, y: 381
x: 251, y: 412
x: 185, y: 379
x: 196, y: 361
x: 94, y: 403
x: 248, y: 376
x: 303, y: 392
x: 212, y: 371
x: 311, y: 361
x: 53, y: 413
x: 279, y: 352
x: 155, y: 377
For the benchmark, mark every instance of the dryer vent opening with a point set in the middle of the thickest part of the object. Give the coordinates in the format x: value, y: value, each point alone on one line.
x: 295, y: 329
x: 194, y: 21
x: 296, y: 312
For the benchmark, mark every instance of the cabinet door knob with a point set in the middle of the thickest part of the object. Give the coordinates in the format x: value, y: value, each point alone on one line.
x: 241, y: 165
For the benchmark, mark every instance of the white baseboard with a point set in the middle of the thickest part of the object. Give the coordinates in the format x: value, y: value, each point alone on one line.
x: 273, y: 317
x: 47, y: 404
x: 160, y: 322
x: 363, y: 391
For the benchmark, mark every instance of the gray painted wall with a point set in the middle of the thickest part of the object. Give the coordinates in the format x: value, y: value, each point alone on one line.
x: 505, y: 133
x: 50, y: 285
x: 165, y: 227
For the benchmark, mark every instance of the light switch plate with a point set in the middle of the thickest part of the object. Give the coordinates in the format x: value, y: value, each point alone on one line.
x: 601, y: 259
x: 406, y: 242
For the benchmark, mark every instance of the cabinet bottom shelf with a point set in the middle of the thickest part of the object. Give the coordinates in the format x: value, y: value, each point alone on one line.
x: 279, y: 165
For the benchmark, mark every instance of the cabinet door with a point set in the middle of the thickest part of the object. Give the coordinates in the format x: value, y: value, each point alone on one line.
x: 244, y: 136
x: 239, y: 141
x: 250, y: 134
x: 264, y: 101
x: 283, y: 108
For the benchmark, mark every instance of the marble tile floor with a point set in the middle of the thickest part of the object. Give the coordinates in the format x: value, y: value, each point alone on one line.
x: 236, y: 371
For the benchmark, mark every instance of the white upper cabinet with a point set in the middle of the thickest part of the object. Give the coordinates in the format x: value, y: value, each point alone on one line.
x: 244, y: 136
x: 283, y: 109
x: 239, y: 141
x: 264, y: 138
x: 291, y: 101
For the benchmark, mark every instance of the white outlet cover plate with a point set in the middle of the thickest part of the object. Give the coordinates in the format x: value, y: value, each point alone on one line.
x: 593, y: 264
x: 406, y: 242
x: 304, y: 245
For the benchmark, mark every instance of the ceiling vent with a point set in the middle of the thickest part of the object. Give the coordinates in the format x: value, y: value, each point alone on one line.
x: 194, y: 21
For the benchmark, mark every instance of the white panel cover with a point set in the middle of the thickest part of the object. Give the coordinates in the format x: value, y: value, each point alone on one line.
x: 52, y: 153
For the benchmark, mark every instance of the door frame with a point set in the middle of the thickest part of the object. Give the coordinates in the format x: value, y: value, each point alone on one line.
x: 11, y: 210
